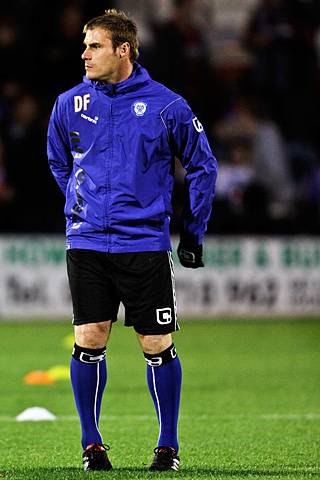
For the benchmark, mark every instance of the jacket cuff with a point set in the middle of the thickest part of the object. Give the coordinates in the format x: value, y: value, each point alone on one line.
x: 190, y: 239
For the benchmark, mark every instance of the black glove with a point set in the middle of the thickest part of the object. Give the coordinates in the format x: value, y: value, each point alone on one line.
x: 190, y: 256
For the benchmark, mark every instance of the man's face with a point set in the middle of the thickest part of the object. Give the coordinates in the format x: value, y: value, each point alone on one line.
x: 100, y: 59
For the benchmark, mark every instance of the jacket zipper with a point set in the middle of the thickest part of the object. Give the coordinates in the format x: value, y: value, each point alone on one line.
x: 108, y: 176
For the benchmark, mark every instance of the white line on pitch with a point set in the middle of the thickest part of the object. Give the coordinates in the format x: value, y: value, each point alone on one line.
x: 267, y: 416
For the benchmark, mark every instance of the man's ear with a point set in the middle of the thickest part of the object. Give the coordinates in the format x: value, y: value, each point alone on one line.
x: 124, y: 49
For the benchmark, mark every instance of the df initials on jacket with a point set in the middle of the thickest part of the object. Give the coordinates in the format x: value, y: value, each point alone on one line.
x: 111, y: 149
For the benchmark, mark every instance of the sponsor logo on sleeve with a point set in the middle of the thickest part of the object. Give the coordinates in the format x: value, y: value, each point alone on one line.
x: 197, y: 125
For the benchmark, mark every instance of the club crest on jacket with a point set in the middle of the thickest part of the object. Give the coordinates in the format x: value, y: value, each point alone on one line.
x: 139, y: 108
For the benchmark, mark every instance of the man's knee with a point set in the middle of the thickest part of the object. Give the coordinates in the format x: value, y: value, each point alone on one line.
x: 153, y: 344
x: 92, y: 335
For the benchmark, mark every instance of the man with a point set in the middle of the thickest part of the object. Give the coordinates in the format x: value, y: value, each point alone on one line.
x: 112, y: 141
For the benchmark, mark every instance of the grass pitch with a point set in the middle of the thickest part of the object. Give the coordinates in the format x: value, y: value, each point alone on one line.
x: 250, y: 404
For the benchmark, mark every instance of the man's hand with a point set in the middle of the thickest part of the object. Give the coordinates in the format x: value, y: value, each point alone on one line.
x: 190, y: 256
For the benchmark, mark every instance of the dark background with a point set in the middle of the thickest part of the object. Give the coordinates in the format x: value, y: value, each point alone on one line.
x: 260, y: 113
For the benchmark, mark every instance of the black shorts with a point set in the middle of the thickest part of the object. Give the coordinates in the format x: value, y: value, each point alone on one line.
x: 142, y: 281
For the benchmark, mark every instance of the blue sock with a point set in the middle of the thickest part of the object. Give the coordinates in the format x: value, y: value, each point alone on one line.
x: 164, y: 380
x: 88, y: 377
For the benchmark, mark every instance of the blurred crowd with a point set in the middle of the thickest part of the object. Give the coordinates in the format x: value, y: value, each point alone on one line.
x: 258, y: 99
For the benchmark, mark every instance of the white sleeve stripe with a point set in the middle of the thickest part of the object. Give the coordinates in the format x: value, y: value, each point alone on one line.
x: 167, y: 106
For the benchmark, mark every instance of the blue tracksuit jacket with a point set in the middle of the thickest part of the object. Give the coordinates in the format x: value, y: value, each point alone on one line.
x: 111, y: 149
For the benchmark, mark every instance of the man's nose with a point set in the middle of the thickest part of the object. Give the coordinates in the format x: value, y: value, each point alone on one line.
x: 85, y: 55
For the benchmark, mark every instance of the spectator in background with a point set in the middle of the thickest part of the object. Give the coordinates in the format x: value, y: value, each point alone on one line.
x: 152, y: 15
x: 6, y: 192
x: 281, y: 37
x: 62, y: 53
x: 306, y: 174
x: 271, y: 163
x: 10, y: 90
x: 146, y: 12
x: 236, y: 175
x: 268, y: 37
x: 266, y: 170
x: 183, y: 60
x: 302, y: 99
x: 13, y: 63
x: 33, y: 208
x: 21, y: 137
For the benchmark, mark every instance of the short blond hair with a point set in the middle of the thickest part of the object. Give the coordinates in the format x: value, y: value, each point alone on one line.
x: 121, y: 27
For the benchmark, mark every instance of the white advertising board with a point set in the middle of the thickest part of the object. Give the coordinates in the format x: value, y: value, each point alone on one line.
x: 242, y: 277
x: 33, y: 279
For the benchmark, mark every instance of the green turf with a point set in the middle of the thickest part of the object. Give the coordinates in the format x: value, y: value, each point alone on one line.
x: 250, y: 405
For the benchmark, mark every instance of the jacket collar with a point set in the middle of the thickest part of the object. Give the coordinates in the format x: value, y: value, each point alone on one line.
x: 138, y: 78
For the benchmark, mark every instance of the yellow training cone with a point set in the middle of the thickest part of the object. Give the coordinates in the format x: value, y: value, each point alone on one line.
x: 68, y: 341
x: 59, y: 372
